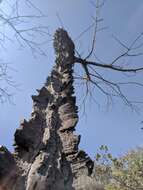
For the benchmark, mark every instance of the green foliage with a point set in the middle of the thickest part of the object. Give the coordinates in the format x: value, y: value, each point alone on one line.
x: 125, y: 173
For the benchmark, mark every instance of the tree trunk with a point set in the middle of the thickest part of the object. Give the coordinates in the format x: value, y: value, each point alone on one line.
x: 46, y: 153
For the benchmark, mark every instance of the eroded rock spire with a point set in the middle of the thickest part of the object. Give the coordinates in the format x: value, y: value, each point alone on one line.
x: 46, y: 147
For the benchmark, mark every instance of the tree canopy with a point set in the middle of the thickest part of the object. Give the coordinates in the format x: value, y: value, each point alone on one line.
x: 124, y: 173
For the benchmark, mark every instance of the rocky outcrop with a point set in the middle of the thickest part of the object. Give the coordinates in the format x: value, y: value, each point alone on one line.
x: 46, y: 153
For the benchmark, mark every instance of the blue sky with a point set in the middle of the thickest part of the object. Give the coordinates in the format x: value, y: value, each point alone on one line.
x: 119, y: 127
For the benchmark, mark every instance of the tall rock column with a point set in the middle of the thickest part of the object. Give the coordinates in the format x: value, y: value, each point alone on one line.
x: 46, y: 153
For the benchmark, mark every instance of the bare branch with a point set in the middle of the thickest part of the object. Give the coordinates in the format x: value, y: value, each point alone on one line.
x: 95, y: 30
x: 107, y: 66
x: 26, y: 30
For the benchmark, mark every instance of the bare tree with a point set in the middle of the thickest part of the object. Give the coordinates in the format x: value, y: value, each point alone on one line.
x: 94, y: 76
x: 20, y: 23
x: 27, y: 31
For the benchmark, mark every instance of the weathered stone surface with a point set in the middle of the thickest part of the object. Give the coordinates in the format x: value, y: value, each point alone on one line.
x: 6, y: 162
x: 46, y: 148
x: 8, y: 170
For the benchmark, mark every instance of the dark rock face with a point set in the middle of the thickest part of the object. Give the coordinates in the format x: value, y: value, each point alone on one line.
x: 46, y: 148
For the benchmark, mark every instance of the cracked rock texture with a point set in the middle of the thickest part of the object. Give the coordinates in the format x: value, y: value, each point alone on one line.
x: 46, y: 153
